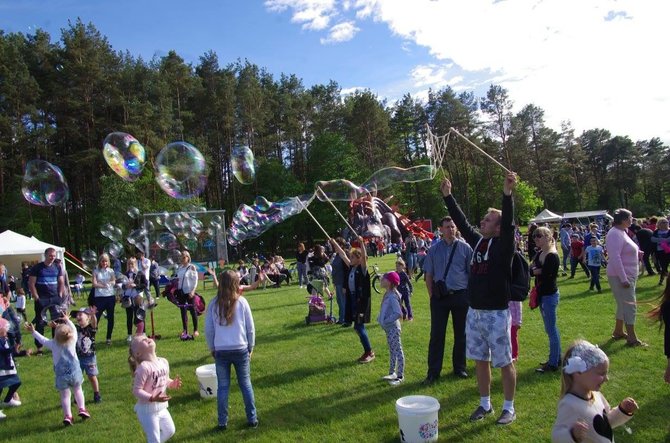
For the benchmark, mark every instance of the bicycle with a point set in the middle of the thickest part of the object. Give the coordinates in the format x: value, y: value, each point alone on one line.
x: 375, y: 280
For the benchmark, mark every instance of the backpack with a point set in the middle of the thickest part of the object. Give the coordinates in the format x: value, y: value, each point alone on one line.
x: 520, y: 281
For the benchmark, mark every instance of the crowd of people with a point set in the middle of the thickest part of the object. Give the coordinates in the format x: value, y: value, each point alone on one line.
x: 467, y: 273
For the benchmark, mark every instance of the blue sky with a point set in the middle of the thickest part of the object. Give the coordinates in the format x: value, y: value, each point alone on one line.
x: 596, y: 63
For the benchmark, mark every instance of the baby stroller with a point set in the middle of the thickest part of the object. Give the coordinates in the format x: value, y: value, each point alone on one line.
x: 316, y: 305
x: 178, y: 298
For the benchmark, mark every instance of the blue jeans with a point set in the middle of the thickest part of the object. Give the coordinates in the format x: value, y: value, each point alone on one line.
x: 341, y: 299
x: 566, y: 256
x: 302, y: 274
x: 239, y: 359
x: 595, y: 277
x: 363, y: 335
x: 548, y: 307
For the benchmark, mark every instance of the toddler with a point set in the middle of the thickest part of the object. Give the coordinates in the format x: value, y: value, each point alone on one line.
x: 389, y: 316
x: 151, y: 379
x: 87, y: 326
x: 8, y: 376
x: 584, y: 415
x: 66, y: 365
x: 21, y: 303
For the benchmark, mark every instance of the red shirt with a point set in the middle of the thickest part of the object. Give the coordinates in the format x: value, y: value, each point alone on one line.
x: 576, y: 247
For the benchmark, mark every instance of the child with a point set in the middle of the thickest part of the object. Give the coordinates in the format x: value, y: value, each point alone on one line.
x: 583, y: 412
x: 8, y: 377
x: 87, y: 326
x: 78, y: 284
x: 230, y: 334
x: 133, y: 291
x: 389, y: 314
x: 66, y: 365
x: 405, y: 290
x: 21, y: 303
x: 151, y: 378
x: 516, y: 312
x: 577, y: 255
x: 420, y: 259
x: 594, y: 259
x: 661, y: 314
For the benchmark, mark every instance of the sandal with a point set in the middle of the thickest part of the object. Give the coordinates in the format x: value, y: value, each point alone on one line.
x: 636, y: 343
x: 619, y: 337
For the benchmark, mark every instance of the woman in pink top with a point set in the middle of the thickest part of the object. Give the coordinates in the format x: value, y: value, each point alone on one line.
x: 622, y: 271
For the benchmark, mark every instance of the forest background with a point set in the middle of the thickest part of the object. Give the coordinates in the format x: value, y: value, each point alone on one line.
x: 59, y: 99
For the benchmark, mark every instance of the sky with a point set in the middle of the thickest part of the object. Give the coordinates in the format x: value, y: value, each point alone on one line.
x: 596, y: 63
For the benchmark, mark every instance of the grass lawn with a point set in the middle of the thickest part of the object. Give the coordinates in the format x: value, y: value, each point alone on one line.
x: 309, y: 387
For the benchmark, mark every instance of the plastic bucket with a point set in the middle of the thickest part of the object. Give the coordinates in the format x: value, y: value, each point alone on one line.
x: 207, y: 379
x: 417, y: 417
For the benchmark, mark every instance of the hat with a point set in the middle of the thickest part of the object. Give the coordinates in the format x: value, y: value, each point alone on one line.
x: 86, y: 311
x: 392, y: 277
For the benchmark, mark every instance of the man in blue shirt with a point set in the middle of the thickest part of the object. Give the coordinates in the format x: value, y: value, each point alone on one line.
x: 447, y: 268
x: 46, y: 284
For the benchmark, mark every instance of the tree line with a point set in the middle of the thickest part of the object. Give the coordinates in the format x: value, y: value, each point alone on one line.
x: 59, y: 99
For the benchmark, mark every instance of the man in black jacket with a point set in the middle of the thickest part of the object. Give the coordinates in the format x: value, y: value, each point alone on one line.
x: 488, y: 320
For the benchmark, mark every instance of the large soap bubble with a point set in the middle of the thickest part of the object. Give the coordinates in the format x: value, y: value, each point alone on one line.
x: 44, y: 184
x: 180, y: 170
x: 90, y: 258
x: 243, y: 165
x: 111, y: 232
x: 125, y: 155
x: 167, y: 240
x: 133, y: 212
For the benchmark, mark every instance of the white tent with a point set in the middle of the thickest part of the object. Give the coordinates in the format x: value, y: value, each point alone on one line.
x: 546, y: 216
x: 16, y: 249
x: 588, y: 214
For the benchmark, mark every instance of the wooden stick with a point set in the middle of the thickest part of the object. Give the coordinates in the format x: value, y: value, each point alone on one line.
x: 314, y: 218
x: 479, y: 149
x: 318, y: 189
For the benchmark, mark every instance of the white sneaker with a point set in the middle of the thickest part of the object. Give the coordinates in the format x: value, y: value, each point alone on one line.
x: 129, y: 339
x: 2, y: 415
x: 389, y: 377
x: 396, y: 382
x: 13, y: 403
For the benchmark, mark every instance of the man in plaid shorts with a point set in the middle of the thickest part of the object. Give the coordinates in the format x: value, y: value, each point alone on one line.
x: 488, y: 320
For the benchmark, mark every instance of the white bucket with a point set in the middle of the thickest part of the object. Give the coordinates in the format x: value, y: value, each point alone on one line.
x: 417, y: 417
x: 207, y: 378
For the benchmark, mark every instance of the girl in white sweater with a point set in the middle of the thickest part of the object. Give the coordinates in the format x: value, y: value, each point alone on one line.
x: 584, y: 415
x: 230, y: 334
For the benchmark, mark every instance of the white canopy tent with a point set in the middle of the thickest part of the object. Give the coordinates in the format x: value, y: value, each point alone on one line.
x: 588, y: 214
x: 16, y: 249
x: 546, y: 216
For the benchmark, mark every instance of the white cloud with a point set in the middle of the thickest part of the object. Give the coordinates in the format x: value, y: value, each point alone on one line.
x: 352, y: 90
x: 341, y: 32
x: 599, y: 64
x: 314, y: 15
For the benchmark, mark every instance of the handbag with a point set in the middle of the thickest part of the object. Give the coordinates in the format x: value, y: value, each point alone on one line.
x: 533, y: 298
x: 440, y: 286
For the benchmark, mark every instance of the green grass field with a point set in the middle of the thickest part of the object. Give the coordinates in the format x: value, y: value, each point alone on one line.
x: 309, y: 387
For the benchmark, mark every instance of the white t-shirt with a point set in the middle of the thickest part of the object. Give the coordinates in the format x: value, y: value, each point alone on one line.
x: 21, y: 302
x: 188, y: 278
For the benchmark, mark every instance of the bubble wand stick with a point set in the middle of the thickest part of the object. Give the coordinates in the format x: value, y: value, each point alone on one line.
x: 479, y: 149
x: 314, y: 218
x: 318, y: 189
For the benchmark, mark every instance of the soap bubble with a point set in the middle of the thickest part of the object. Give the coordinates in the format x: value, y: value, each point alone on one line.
x: 180, y: 170
x: 125, y: 155
x: 196, y: 226
x: 44, y: 184
x: 90, y: 258
x: 149, y: 226
x: 216, y: 222
x: 133, y: 212
x: 167, y: 240
x: 174, y: 222
x: 114, y: 249
x: 243, y: 165
x: 111, y: 232
x: 137, y: 238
